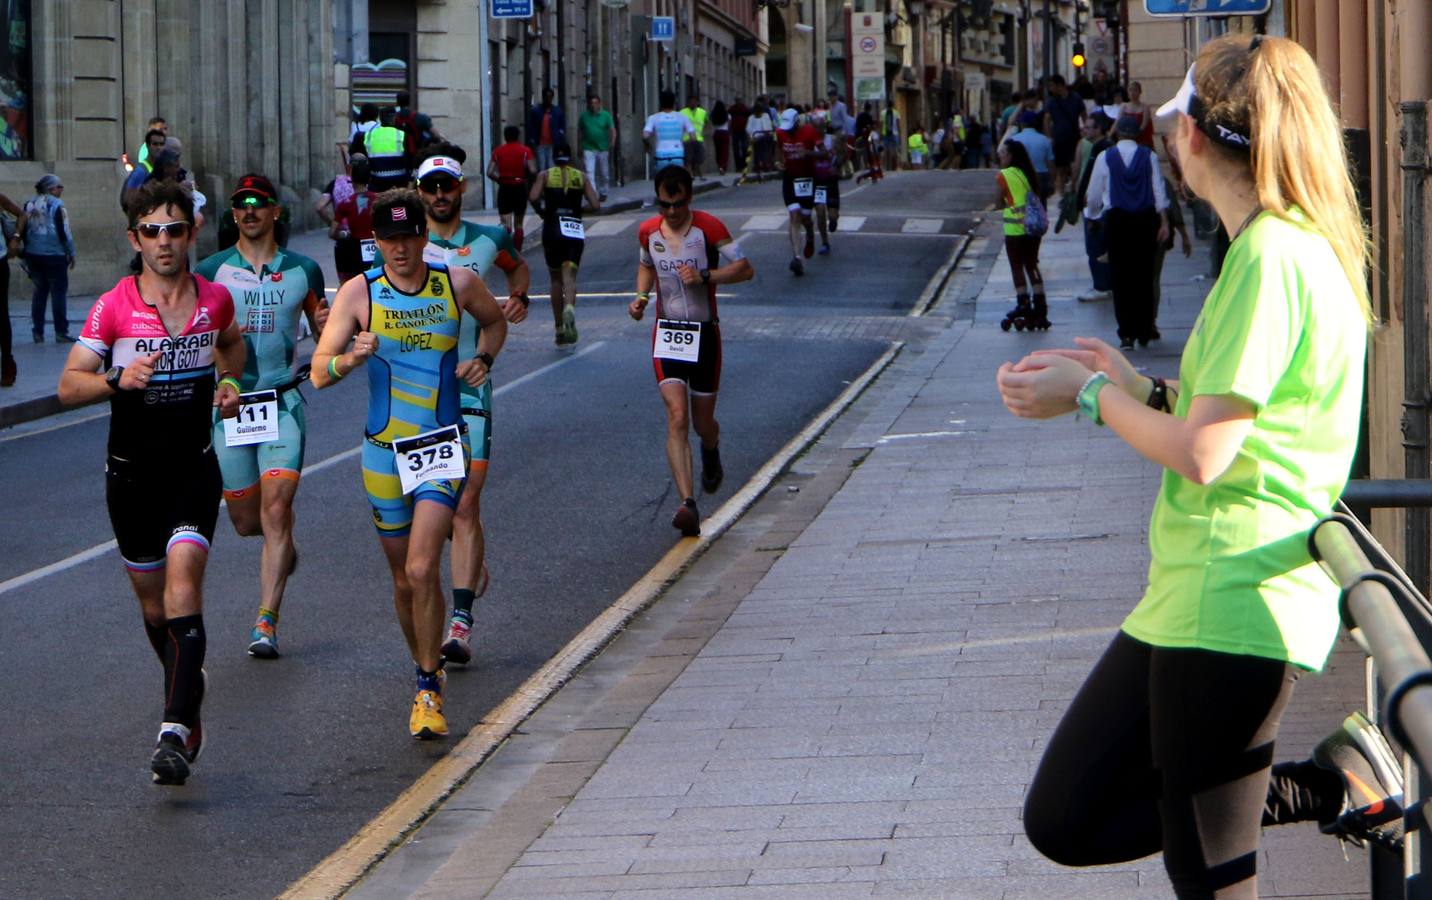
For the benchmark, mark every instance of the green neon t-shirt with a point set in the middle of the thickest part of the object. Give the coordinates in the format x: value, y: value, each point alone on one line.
x: 1231, y: 571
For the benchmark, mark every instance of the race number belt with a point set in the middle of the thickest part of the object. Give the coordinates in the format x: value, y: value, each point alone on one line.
x: 431, y: 456
x: 820, y: 196
x: 804, y: 187
x: 256, y: 422
x: 571, y: 228
x: 679, y: 341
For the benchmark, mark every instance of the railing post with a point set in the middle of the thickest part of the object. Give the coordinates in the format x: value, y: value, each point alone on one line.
x: 1416, y: 373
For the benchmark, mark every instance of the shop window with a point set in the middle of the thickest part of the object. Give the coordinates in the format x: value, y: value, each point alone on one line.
x: 16, y: 83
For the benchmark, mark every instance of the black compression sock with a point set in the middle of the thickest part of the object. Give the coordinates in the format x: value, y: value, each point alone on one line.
x: 158, y: 636
x: 183, y: 662
x: 462, y: 601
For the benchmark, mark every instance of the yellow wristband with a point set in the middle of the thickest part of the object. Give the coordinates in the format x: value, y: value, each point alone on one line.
x: 230, y: 380
x: 333, y: 369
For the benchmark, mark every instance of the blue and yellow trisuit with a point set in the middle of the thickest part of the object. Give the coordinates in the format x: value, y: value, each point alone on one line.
x: 412, y: 388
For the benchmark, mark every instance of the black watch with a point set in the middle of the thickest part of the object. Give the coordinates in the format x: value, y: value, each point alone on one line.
x: 486, y: 359
x: 112, y: 377
x: 522, y: 295
x: 705, y: 276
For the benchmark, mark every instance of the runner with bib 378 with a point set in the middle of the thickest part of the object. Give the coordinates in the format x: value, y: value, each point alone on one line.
x: 403, y: 319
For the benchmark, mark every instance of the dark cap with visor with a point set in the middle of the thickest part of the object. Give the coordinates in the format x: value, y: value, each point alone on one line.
x: 404, y: 218
x: 255, y: 186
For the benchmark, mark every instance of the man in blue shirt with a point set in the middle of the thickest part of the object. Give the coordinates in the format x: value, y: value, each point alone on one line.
x: 1041, y: 150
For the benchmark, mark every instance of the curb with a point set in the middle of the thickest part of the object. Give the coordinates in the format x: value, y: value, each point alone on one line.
x: 347, y: 865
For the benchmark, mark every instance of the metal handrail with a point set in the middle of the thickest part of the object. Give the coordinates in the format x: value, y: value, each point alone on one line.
x: 1372, y: 612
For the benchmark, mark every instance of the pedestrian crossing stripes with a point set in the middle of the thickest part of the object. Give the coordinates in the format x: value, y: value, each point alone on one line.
x: 922, y: 226
x: 777, y: 222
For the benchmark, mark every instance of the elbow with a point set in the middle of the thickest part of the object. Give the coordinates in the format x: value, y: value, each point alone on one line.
x: 1204, y: 470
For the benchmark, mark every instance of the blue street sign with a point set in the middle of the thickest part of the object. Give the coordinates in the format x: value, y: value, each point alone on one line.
x: 1207, y: 7
x: 512, y: 9
x: 663, y: 28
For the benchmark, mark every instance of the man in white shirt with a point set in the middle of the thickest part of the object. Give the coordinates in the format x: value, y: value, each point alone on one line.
x: 667, y: 132
x: 1126, y: 193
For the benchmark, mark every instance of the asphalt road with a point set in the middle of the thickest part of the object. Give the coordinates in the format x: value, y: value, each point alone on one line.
x: 301, y: 752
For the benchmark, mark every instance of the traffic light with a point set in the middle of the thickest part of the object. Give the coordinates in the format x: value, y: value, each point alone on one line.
x: 1078, y: 59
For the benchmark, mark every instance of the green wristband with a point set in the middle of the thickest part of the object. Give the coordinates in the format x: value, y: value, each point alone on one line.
x: 230, y: 380
x: 333, y: 369
x: 1088, y: 397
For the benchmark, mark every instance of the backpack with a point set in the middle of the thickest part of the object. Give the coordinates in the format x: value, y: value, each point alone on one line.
x: 1036, y: 219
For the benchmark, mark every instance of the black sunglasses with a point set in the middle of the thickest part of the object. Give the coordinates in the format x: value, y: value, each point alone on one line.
x: 672, y: 204
x: 437, y: 185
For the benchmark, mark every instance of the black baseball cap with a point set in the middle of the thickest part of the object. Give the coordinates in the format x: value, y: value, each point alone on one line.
x: 400, y: 217
x: 255, y: 186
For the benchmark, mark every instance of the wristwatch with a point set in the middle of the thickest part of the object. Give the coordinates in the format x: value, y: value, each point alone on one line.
x: 112, y: 377
x: 485, y: 358
x: 1088, y: 397
x: 521, y: 295
x: 705, y: 276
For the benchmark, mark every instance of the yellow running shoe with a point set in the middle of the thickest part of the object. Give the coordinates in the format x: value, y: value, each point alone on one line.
x: 427, y: 722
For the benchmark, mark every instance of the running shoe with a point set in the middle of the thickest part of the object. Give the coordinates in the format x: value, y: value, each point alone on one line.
x: 64, y: 339
x: 687, y: 519
x: 426, y: 721
x: 1093, y: 296
x: 457, y: 647
x: 1126, y: 343
x: 7, y: 371
x: 809, y: 250
x: 560, y: 339
x: 797, y: 266
x: 711, y: 471
x: 824, y: 250
x: 263, y: 639
x: 569, y: 323
x: 176, y: 751
x: 1372, y: 784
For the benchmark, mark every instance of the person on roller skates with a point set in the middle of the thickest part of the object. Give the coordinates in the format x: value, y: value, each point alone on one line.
x: 1016, y: 179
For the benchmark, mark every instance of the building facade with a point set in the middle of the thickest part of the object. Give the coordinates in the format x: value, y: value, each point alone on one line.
x: 474, y: 74
x: 82, y: 78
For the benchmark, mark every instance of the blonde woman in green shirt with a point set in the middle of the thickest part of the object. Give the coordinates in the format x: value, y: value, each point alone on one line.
x: 1168, y: 746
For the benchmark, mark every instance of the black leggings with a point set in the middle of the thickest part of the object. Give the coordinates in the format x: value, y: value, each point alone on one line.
x: 1023, y: 253
x: 1172, y: 750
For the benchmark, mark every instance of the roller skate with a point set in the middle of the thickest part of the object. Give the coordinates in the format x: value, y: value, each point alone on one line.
x: 1021, y: 317
x: 1040, y: 318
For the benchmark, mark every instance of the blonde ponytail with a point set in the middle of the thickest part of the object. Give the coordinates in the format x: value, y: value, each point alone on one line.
x: 1272, y: 88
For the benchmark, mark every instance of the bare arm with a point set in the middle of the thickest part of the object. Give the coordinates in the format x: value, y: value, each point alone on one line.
x: 645, y: 281
x: 342, y: 325
x: 229, y: 357
x: 81, y: 381
x: 733, y: 272
x: 594, y: 203
x: 474, y: 297
x: 9, y: 206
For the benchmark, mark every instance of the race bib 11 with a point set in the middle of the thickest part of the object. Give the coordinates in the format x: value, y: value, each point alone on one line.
x: 256, y: 422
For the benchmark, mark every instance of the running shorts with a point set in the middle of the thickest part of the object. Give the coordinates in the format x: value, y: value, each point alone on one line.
x: 243, y: 466
x: 511, y: 199
x: 664, y: 161
x: 559, y: 250
x: 156, y: 504
x: 702, y: 377
x: 788, y: 194
x: 392, y: 509
x: 1064, y: 151
x: 348, y: 256
x: 832, y: 191
x: 477, y: 413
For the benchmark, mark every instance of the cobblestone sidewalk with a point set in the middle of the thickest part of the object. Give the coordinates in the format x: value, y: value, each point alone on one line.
x: 866, y: 719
